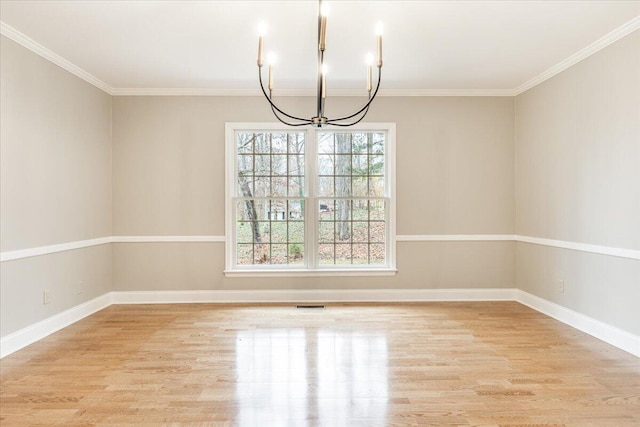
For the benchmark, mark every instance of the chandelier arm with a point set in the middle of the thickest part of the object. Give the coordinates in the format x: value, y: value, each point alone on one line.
x: 286, y: 123
x: 366, y: 106
x: 352, y: 123
x: 273, y: 106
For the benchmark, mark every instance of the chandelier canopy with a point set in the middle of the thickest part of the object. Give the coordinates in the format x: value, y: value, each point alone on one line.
x: 320, y: 120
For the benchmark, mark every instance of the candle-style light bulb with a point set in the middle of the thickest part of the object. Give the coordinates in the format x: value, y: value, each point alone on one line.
x: 272, y: 62
x: 324, y: 9
x: 324, y: 71
x: 379, y: 30
x: 262, y: 30
x: 369, y: 61
x: 324, y: 12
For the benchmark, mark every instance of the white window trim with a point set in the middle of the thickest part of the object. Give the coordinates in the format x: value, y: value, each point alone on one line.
x: 232, y: 270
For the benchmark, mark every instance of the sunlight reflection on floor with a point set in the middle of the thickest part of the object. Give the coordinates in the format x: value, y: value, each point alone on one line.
x: 287, y: 375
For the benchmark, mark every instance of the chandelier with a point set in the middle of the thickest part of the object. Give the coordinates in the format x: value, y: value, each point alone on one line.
x: 320, y: 120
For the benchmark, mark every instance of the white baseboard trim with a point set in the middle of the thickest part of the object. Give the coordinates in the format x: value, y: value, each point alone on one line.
x: 312, y: 295
x: 22, y: 338
x: 610, y: 334
x: 618, y: 338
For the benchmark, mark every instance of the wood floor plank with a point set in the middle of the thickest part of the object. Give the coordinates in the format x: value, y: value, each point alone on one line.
x: 471, y: 363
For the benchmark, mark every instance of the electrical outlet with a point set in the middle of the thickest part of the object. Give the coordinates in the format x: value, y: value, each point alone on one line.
x: 46, y: 297
x: 80, y: 287
x: 561, y: 286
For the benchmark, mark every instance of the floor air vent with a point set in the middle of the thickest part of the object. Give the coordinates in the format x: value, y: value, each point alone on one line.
x: 309, y: 306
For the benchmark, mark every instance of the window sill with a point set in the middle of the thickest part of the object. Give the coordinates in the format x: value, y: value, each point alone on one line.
x: 369, y: 272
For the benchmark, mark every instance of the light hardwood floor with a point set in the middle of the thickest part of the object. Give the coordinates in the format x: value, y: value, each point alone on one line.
x: 488, y: 363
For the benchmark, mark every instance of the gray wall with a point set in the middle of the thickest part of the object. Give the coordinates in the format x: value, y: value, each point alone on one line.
x: 55, y: 186
x: 578, y: 179
x: 454, y: 176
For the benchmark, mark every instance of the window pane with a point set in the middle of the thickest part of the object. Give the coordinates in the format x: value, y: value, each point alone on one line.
x: 262, y: 185
x: 295, y: 186
x: 377, y: 231
x: 326, y: 186
x: 376, y: 210
x: 244, y: 254
x: 327, y: 210
x: 262, y: 165
x: 279, y: 187
x: 279, y: 231
x: 245, y: 142
x: 296, y: 253
x: 296, y: 143
x: 376, y: 187
x: 296, y: 165
x: 279, y: 254
x: 360, y: 186
x: 377, y: 254
x: 268, y: 230
x: 343, y: 142
x: 343, y: 186
x: 360, y: 231
x: 325, y: 232
x: 279, y: 164
x: 376, y: 165
x: 377, y: 143
x: 326, y: 254
x: 245, y: 186
x: 342, y: 209
x: 262, y: 143
x: 343, y: 164
x: 353, y: 230
x: 246, y: 211
x: 261, y: 253
x: 360, y: 165
x: 343, y: 253
x: 360, y: 211
x: 244, y: 232
x: 325, y: 143
x: 245, y: 165
x: 326, y: 164
x: 360, y: 143
x: 296, y: 231
x: 278, y: 142
x: 360, y: 254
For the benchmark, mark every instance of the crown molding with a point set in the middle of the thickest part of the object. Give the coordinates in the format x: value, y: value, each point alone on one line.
x: 44, y: 52
x: 307, y: 92
x: 169, y: 91
x: 594, y: 47
x: 18, y: 37
x: 446, y: 92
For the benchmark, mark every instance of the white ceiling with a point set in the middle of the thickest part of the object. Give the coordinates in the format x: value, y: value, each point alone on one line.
x: 211, y: 45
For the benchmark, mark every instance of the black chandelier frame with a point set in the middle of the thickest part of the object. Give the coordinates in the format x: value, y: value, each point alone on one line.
x: 320, y: 120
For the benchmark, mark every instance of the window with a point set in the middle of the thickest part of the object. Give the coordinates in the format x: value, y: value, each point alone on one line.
x: 307, y: 202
